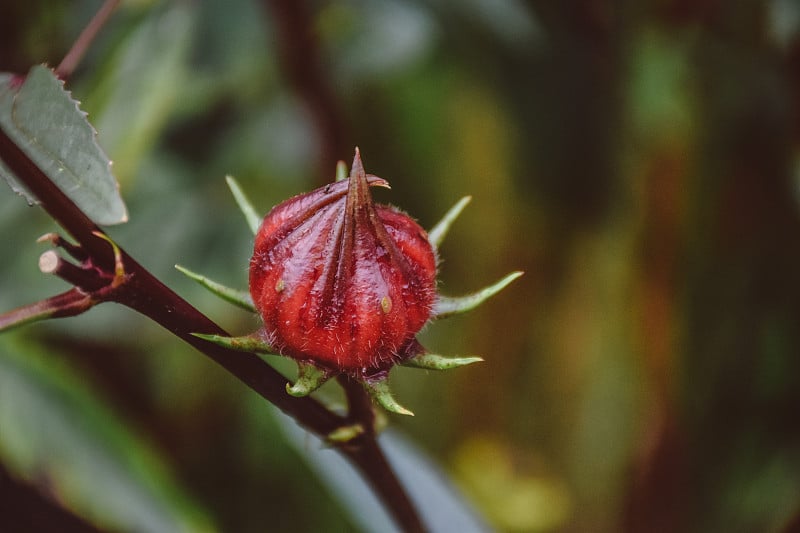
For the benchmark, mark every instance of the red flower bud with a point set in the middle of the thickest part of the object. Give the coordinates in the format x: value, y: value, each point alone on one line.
x: 341, y: 282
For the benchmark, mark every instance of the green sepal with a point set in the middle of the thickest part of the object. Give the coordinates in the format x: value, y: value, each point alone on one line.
x: 341, y: 171
x: 430, y: 361
x: 250, y: 214
x: 309, y: 379
x: 449, y: 305
x: 248, y: 343
x: 379, y: 390
x: 437, y: 233
x: 236, y: 297
x: 344, y: 434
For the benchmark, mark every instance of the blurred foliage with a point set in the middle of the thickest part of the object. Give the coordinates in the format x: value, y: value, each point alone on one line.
x: 639, y: 160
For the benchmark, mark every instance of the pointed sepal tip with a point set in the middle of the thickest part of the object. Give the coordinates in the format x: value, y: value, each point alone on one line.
x: 341, y: 171
x: 437, y: 233
x: 379, y: 390
x: 430, y: 361
x: 309, y: 379
x: 452, y: 305
x: 244, y: 203
x: 248, y: 343
x: 236, y: 297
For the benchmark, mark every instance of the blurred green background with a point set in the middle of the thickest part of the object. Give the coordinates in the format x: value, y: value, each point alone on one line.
x: 638, y: 159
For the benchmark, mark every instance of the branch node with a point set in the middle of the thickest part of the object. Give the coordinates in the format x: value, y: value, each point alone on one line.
x: 57, y: 241
x: 85, y: 279
x: 119, y: 266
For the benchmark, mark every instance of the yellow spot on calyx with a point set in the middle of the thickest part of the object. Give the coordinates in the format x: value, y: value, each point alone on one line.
x: 386, y: 304
x: 280, y: 285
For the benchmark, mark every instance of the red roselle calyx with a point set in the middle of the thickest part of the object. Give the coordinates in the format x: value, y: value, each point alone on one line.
x: 340, y: 282
x: 344, y: 285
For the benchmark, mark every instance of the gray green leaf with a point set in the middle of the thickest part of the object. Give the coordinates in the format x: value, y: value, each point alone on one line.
x: 43, y: 120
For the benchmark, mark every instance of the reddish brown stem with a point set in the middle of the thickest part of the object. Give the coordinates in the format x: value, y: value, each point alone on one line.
x: 359, y: 405
x: 57, y: 241
x: 70, y: 303
x: 368, y: 457
x: 83, y: 278
x: 370, y: 460
x: 301, y: 64
x: 146, y: 294
x: 143, y: 292
x: 81, y: 45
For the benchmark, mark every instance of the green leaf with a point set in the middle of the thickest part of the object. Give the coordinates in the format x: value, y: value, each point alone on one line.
x: 6, y: 80
x: 54, y: 428
x: 43, y: 120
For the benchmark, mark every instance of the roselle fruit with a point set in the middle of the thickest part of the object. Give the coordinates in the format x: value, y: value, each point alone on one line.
x: 340, y: 282
x: 343, y: 286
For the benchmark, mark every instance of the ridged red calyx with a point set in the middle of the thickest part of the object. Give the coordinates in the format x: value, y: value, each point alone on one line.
x: 343, y: 286
x: 341, y: 282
